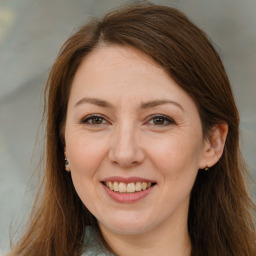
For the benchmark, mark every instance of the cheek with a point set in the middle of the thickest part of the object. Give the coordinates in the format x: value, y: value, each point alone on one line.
x: 176, y: 156
x: 85, y: 153
x: 176, y: 160
x: 177, y: 150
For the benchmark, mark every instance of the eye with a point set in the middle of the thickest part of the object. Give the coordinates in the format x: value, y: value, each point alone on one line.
x: 94, y: 120
x: 161, y: 120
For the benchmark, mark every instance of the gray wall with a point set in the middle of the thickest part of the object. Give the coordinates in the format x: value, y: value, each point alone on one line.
x: 31, y: 33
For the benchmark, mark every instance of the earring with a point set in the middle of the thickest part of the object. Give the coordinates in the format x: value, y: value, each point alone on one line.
x: 67, y: 165
x: 206, y: 168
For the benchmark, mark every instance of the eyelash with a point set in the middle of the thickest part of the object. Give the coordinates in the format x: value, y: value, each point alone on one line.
x: 91, y: 117
x: 164, y: 118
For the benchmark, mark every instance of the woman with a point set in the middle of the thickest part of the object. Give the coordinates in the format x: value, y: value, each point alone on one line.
x: 141, y: 116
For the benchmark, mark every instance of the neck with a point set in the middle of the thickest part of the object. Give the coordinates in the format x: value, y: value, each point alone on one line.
x: 171, y: 238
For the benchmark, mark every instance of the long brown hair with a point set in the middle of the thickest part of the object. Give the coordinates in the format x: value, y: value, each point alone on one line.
x: 220, y: 215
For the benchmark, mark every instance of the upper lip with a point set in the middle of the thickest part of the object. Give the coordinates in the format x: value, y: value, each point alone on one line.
x: 127, y: 179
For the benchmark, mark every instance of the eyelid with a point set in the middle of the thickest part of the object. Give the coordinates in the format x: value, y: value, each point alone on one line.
x: 85, y: 119
x: 169, y: 119
x: 91, y: 116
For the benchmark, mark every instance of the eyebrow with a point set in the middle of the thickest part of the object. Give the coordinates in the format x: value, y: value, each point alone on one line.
x: 95, y: 101
x: 155, y: 103
x: 146, y: 105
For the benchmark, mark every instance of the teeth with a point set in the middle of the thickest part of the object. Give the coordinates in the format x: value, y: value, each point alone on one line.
x: 122, y: 187
x: 127, y: 188
x: 130, y: 188
x: 144, y: 185
x: 116, y: 186
x: 138, y: 186
x: 110, y: 185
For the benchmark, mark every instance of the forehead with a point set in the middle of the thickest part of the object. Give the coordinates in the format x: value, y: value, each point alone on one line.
x: 120, y: 64
x: 118, y: 73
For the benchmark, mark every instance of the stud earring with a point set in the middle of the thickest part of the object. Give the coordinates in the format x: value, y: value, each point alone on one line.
x: 67, y: 165
x: 206, y: 168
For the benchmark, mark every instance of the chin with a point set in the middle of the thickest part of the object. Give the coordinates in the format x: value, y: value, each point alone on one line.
x: 128, y: 226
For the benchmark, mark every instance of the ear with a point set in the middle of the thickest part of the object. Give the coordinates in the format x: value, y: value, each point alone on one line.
x: 65, y: 152
x: 213, y: 146
x: 67, y: 164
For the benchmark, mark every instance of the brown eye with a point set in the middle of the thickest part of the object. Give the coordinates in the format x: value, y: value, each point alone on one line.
x: 97, y: 120
x: 94, y: 120
x: 161, y: 121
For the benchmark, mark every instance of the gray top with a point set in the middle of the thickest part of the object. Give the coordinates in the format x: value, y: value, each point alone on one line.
x: 92, y: 245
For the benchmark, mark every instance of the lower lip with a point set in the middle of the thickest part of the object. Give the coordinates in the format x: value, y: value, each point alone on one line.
x: 127, y: 197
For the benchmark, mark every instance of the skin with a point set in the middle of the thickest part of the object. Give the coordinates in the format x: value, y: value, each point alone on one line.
x: 127, y: 141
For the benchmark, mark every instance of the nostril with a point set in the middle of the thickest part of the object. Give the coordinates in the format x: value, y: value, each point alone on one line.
x: 125, y: 155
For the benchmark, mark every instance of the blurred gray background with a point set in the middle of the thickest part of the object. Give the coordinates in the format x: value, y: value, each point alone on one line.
x: 31, y: 33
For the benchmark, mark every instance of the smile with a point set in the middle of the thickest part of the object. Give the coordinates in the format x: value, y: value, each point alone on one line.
x: 131, y: 187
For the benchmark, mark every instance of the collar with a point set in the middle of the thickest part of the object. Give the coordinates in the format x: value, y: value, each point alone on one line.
x: 92, y: 245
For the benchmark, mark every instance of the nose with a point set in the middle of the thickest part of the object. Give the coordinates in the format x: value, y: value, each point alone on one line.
x: 125, y: 150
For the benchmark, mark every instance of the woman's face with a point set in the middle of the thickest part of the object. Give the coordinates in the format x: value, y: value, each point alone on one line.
x: 133, y: 140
